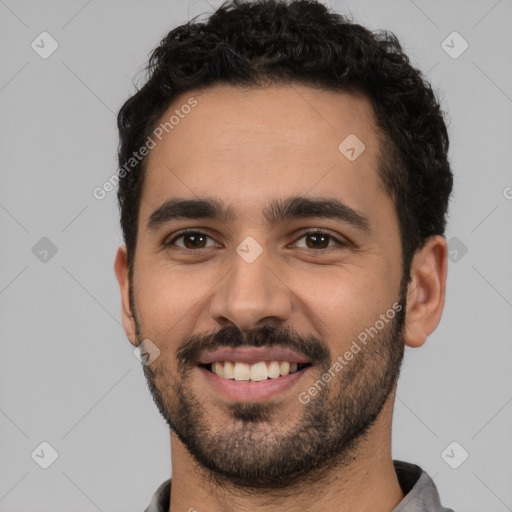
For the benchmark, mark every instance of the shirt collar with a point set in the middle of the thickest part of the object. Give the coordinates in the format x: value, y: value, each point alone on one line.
x: 420, y: 492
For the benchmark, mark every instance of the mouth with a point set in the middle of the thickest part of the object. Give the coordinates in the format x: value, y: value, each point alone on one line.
x: 255, y: 372
x: 252, y: 373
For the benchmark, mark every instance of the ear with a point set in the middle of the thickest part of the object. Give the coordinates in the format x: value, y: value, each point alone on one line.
x: 122, y: 273
x: 426, y: 291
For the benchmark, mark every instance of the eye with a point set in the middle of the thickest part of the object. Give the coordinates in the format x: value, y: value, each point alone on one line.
x: 192, y: 239
x: 320, y: 240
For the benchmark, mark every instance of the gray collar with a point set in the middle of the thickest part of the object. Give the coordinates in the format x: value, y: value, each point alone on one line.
x: 420, y: 492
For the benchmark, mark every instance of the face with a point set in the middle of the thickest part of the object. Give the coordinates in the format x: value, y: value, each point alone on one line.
x: 291, y: 263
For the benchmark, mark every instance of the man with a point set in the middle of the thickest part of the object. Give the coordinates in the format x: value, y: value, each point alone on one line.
x: 283, y: 190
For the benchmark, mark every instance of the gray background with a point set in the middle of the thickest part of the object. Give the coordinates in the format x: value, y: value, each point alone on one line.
x: 68, y: 375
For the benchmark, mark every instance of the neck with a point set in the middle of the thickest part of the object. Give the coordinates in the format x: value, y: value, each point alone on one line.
x: 339, y: 487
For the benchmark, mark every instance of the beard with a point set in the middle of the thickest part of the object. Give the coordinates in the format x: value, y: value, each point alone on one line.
x: 252, y: 450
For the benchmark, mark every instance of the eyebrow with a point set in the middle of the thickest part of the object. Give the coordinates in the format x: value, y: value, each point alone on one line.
x: 276, y: 212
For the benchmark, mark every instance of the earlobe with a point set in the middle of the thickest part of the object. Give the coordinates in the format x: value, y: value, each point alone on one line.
x: 121, y: 269
x: 426, y: 291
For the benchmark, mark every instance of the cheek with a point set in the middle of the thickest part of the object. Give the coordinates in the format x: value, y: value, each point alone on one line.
x: 341, y: 302
x: 167, y: 301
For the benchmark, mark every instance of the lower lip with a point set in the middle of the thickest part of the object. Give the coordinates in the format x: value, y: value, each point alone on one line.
x: 251, y: 390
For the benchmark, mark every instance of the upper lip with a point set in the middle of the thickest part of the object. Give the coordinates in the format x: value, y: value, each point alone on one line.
x: 252, y: 355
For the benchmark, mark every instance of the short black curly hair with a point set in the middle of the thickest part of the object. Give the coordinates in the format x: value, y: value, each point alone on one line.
x: 262, y: 42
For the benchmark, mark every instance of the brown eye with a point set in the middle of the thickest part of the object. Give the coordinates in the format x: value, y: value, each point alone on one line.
x: 191, y: 240
x: 194, y: 241
x: 320, y: 240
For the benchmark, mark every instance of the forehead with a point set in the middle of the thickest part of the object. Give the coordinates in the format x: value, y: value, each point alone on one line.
x: 249, y: 145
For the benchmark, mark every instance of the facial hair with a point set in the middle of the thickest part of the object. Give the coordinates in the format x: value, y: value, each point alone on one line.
x: 251, y: 451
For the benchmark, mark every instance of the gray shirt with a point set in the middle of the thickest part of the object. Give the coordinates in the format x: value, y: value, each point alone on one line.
x: 420, y: 492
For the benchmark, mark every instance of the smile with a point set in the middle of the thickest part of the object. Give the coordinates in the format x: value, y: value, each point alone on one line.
x: 256, y: 372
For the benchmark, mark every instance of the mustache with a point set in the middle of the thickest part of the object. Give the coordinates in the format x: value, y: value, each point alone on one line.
x: 309, y: 346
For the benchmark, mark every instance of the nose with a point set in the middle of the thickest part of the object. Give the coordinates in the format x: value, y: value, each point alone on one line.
x: 251, y: 295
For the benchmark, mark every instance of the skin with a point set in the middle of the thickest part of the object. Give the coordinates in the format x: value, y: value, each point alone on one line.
x: 246, y: 147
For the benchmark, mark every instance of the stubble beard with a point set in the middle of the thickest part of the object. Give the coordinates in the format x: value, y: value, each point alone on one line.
x: 251, y: 449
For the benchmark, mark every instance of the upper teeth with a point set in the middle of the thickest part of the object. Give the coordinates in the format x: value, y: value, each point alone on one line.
x: 257, y: 371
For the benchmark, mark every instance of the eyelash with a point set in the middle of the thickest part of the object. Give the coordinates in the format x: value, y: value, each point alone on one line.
x: 185, y: 232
